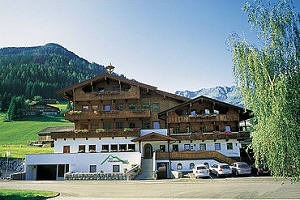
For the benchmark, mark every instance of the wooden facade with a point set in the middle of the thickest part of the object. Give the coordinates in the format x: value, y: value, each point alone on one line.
x: 109, y: 103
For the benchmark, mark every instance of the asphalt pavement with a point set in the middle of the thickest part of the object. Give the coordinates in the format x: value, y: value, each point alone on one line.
x: 186, y: 188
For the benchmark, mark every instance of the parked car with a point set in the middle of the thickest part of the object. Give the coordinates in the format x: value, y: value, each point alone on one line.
x: 262, y: 169
x: 200, y: 171
x: 240, y: 168
x: 221, y: 169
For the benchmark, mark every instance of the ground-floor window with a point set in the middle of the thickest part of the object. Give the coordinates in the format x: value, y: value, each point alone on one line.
x: 131, y: 147
x: 217, y: 146
x: 66, y: 149
x: 92, y: 148
x: 175, y: 147
x: 229, y: 146
x: 93, y: 168
x: 105, y: 148
x: 187, y: 147
x: 123, y: 147
x: 81, y: 148
x: 179, y: 166
x: 203, y: 146
x: 62, y: 169
x: 116, y: 168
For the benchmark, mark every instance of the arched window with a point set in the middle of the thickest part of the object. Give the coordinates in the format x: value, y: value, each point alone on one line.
x: 179, y: 166
x: 192, y: 165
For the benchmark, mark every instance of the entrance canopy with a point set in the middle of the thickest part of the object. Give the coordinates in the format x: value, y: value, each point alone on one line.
x: 153, y: 137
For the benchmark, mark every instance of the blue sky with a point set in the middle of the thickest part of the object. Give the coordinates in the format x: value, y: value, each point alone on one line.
x: 170, y: 44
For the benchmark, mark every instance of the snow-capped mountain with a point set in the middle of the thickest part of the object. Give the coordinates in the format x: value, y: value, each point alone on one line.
x: 226, y: 94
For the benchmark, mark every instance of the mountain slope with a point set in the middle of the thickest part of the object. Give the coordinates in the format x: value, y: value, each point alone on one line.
x: 226, y: 94
x: 42, y: 70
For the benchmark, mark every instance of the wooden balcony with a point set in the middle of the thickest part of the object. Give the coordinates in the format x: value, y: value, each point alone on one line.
x: 202, y: 118
x: 112, y: 114
x: 97, y: 133
x: 193, y: 155
x: 216, y: 135
x: 133, y: 93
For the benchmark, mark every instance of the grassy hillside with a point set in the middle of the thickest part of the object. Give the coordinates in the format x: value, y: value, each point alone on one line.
x: 15, y: 135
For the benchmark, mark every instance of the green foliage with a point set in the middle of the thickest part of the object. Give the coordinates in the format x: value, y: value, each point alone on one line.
x: 40, y: 71
x: 269, y: 77
x: 17, y: 108
x: 25, y: 194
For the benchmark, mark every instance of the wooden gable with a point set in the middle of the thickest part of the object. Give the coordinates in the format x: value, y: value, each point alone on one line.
x: 154, y: 137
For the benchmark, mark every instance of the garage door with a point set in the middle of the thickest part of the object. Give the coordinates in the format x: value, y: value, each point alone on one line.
x: 46, y: 172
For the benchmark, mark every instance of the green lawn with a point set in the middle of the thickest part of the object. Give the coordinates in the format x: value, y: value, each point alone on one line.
x: 25, y: 194
x: 15, y: 135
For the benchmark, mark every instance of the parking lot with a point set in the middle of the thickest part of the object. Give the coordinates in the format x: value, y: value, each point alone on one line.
x: 186, y: 188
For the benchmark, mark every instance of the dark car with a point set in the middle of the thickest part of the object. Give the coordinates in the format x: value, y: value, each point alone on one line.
x: 262, y: 169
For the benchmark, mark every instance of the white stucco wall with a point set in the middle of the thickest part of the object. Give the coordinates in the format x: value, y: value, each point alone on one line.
x: 74, y: 144
x: 80, y: 162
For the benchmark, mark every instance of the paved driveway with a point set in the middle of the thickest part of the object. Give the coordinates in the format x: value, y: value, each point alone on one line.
x: 229, y: 188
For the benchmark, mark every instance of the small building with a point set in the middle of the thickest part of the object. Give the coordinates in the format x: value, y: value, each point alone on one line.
x: 44, y: 136
x: 121, y: 125
x: 43, y: 109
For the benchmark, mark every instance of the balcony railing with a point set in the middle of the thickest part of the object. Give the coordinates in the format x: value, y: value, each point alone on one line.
x: 109, y: 114
x: 203, y: 118
x: 193, y: 155
x: 216, y: 135
x: 133, y: 93
x: 99, y: 133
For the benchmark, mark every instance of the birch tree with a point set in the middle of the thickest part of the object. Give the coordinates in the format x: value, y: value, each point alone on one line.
x: 269, y: 78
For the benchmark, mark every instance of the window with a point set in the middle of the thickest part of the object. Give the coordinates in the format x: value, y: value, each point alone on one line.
x: 177, y: 130
x: 202, y: 129
x: 94, y: 126
x: 105, y: 147
x: 184, y: 112
x: 188, y: 129
x: 155, y: 107
x: 119, y: 125
x: 92, y: 148
x: 66, y: 149
x: 101, y: 89
x: 106, y: 125
x: 94, y: 108
x: 206, y: 111
x: 229, y: 146
x: 192, y: 165
x: 81, y: 149
x: 131, y: 147
x: 93, y: 168
x: 203, y: 146
x: 187, y: 147
x: 179, y: 166
x: 217, y: 146
x: 122, y: 147
x: 216, y: 112
x: 84, y: 126
x: 146, y: 107
x: 146, y: 125
x: 119, y: 107
x: 132, y: 107
x: 116, y: 168
x: 85, y: 108
x: 193, y: 113
x: 227, y: 128
x: 116, y: 88
x: 106, y: 107
x: 114, y: 147
x: 175, y: 147
x: 156, y: 125
x: 162, y: 148
x: 217, y: 128
x: 131, y: 125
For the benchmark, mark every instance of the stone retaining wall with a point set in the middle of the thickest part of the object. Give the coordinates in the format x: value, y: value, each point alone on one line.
x: 13, y: 164
x: 98, y: 176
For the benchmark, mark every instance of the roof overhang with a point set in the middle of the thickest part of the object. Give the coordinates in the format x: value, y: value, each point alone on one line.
x: 154, y: 137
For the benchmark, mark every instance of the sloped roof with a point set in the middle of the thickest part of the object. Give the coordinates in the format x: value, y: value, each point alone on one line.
x: 154, y: 137
x: 56, y: 129
x: 70, y: 89
x: 244, y: 113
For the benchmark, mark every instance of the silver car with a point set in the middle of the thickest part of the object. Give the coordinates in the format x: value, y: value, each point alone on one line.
x: 201, y: 171
x: 221, y: 169
x: 240, y: 168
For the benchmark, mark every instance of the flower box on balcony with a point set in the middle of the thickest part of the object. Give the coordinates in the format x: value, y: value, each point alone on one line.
x: 74, y: 112
x: 100, y: 130
x: 104, y: 151
x: 82, y: 131
x: 92, y: 151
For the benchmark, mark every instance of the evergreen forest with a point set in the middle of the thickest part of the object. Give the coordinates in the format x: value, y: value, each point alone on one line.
x: 40, y: 71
